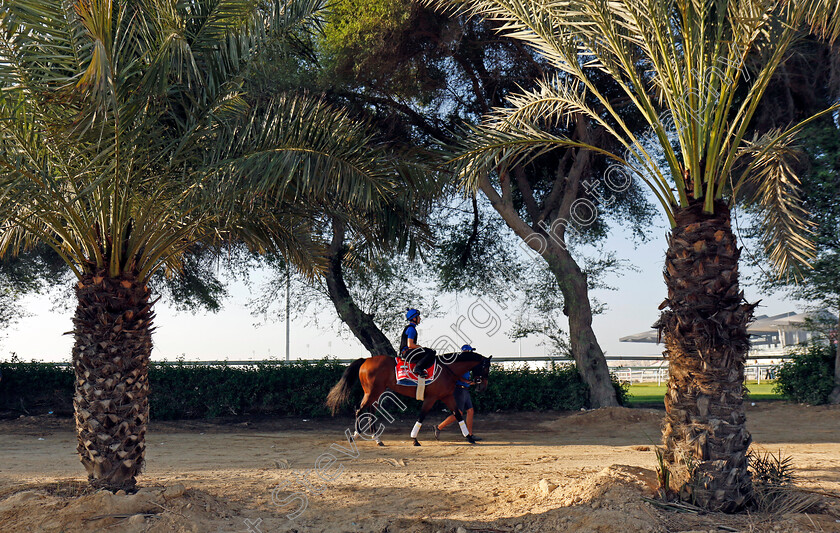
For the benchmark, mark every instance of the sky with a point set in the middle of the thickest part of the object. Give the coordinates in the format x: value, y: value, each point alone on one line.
x: 235, y: 334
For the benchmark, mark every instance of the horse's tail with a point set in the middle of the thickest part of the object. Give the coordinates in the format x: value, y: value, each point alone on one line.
x: 340, y: 392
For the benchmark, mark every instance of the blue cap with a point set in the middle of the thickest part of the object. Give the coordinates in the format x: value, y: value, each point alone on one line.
x: 411, y: 314
x: 467, y: 348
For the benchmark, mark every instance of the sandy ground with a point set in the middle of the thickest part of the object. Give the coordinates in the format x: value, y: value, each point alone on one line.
x: 220, y: 476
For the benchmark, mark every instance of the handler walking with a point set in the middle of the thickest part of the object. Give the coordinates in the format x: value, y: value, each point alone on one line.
x: 463, y: 402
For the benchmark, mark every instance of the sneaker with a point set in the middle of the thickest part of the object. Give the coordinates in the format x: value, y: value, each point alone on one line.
x: 476, y: 438
x: 437, y: 433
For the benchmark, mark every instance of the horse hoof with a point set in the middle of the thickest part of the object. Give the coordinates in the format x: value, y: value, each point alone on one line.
x: 416, y: 443
x: 471, y: 440
x: 379, y: 443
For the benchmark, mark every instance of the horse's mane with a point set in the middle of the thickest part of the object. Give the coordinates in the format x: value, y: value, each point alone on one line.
x: 461, y: 357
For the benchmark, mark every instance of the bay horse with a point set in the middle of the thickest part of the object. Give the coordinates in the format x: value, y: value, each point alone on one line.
x: 378, y: 374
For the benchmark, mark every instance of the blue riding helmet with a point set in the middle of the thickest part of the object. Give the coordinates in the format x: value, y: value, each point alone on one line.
x: 467, y: 348
x: 411, y: 314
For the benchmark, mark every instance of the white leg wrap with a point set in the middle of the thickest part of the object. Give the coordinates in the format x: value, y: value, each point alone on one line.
x: 356, y: 434
x: 415, y: 430
x: 463, y: 426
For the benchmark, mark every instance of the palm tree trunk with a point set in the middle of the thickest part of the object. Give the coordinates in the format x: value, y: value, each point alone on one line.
x: 706, y: 340
x: 359, y: 322
x: 113, y: 335
x: 835, y: 393
x: 589, y: 358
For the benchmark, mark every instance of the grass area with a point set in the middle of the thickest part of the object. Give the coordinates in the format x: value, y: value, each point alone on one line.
x: 649, y: 393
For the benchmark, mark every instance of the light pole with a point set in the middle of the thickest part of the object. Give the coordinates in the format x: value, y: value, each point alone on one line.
x: 288, y: 324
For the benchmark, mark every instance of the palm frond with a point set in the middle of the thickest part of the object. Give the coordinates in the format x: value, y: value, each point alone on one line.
x: 119, y: 121
x: 303, y: 146
x: 824, y: 18
x: 786, y: 229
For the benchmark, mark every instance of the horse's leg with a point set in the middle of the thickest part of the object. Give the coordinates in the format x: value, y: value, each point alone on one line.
x: 361, y: 408
x: 367, y: 404
x: 428, y: 403
x: 449, y: 402
x: 377, y: 436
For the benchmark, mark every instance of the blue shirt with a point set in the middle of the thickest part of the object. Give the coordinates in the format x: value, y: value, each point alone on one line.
x: 464, y: 379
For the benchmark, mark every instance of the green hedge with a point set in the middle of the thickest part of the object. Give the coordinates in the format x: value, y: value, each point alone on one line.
x: 35, y: 388
x: 296, y: 389
x: 809, y: 376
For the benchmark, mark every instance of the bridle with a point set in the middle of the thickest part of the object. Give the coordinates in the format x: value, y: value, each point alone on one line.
x: 484, y: 362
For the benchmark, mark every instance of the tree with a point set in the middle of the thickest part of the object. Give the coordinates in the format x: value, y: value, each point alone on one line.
x: 550, y: 204
x: 821, y: 189
x: 682, y: 66
x: 125, y: 141
x: 397, y: 59
x: 538, y: 206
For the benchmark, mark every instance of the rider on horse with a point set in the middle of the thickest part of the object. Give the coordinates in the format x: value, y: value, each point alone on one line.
x: 410, y: 350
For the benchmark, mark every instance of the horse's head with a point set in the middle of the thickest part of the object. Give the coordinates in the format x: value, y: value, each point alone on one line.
x: 481, y: 373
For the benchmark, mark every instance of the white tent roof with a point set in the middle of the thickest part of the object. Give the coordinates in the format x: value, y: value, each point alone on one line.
x: 645, y: 336
x: 763, y: 325
x: 787, y: 321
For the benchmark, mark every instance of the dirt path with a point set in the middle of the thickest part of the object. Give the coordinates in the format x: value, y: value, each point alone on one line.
x: 601, y: 462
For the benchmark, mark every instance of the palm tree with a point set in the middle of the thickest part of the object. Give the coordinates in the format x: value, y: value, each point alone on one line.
x: 125, y: 140
x: 696, y: 72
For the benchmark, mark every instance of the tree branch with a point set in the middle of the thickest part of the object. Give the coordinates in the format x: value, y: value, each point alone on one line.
x: 559, y: 187
x: 527, y: 194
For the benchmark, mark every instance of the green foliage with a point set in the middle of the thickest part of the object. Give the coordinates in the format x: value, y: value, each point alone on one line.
x: 558, y: 387
x: 363, y: 25
x: 474, y: 252
x: 771, y: 470
x: 809, y: 376
x: 774, y: 490
x: 381, y: 287
x: 382, y: 46
x: 29, y: 388
x: 184, y: 390
x: 127, y: 135
x: 196, y: 286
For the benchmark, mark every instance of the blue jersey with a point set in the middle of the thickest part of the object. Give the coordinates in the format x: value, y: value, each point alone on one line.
x: 462, y: 382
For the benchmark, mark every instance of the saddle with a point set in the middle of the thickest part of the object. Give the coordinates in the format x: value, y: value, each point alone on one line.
x: 406, y: 375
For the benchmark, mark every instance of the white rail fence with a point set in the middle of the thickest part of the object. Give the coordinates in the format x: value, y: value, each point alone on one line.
x: 659, y: 375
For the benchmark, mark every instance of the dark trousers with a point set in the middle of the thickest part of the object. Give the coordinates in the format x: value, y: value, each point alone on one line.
x: 422, y: 357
